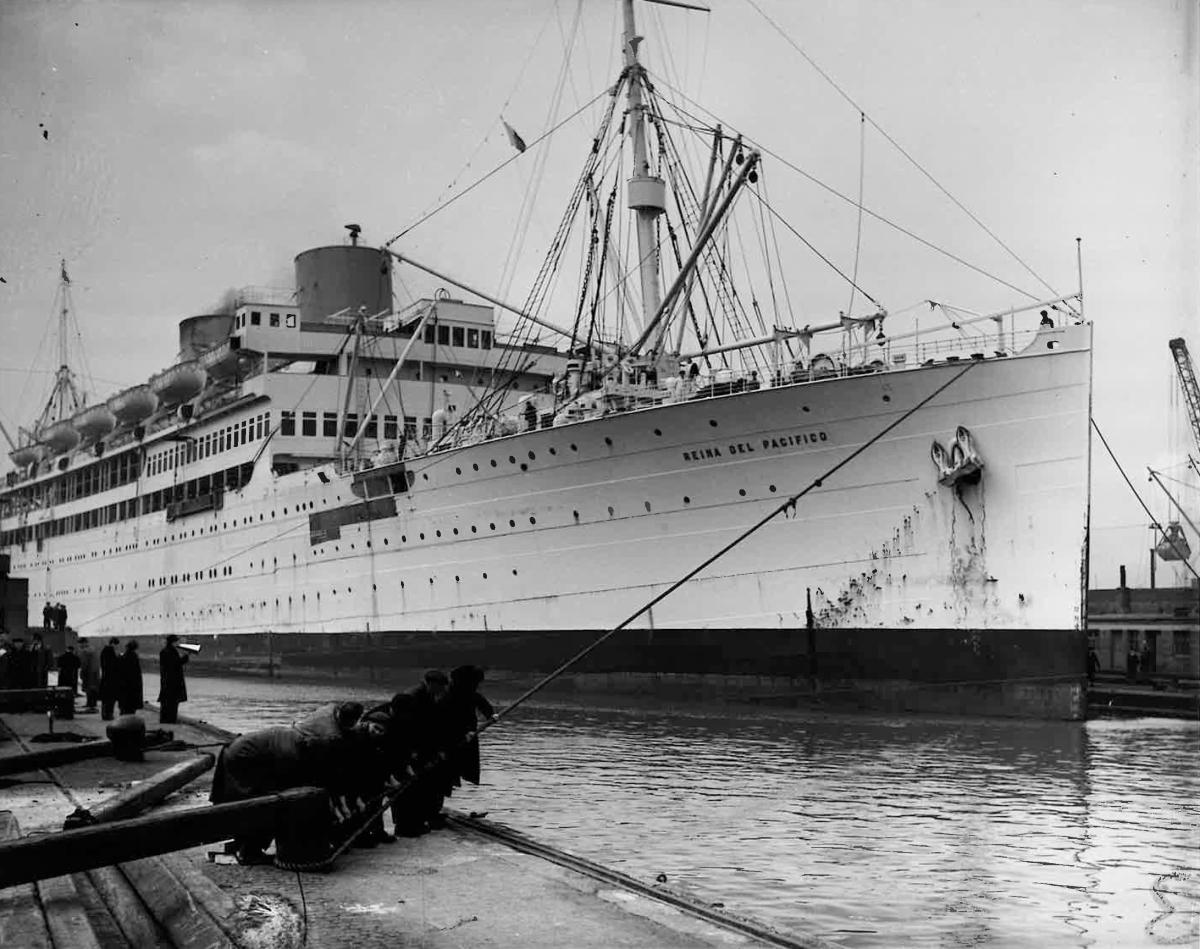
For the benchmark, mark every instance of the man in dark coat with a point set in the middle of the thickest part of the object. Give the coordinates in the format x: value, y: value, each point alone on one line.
x: 129, y: 689
x: 430, y: 742
x: 89, y: 673
x: 463, y: 703
x: 47, y: 617
x: 68, y: 670
x: 110, y: 679
x: 172, y: 689
x: 42, y: 661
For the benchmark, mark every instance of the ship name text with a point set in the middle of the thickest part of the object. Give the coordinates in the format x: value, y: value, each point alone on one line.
x: 776, y: 443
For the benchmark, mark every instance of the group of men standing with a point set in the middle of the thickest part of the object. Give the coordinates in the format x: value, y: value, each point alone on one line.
x: 416, y: 748
x: 113, y: 679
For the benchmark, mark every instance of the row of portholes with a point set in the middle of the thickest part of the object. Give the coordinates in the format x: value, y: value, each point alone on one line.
x: 612, y: 512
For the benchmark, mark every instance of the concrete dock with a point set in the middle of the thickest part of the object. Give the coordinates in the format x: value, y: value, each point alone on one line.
x: 469, y: 884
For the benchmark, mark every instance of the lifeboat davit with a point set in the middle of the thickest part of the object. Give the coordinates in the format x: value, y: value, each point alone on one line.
x: 181, y: 382
x: 94, y: 423
x: 133, y: 405
x: 27, y: 454
x: 61, y: 436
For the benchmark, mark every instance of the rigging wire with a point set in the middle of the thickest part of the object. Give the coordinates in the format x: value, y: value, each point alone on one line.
x: 916, y: 164
x: 478, y: 181
x: 1153, y: 520
x: 862, y: 171
x: 807, y: 243
x: 766, y: 150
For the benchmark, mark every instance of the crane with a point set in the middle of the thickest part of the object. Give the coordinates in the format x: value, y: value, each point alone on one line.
x: 1187, y: 381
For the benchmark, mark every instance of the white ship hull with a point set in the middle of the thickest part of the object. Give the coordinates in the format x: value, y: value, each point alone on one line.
x: 578, y: 526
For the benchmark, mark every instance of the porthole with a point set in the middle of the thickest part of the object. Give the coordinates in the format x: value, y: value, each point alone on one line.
x: 524, y: 467
x: 607, y: 440
x: 742, y: 492
x: 533, y: 520
x: 456, y: 532
x: 474, y: 529
x: 492, y: 526
x: 611, y: 512
x: 457, y: 578
x: 686, y: 499
x: 804, y: 408
x: 485, y: 576
x: 403, y: 539
x: 575, y: 514
x: 385, y: 542
x: 512, y: 459
x: 532, y: 456
x: 514, y: 571
x: 475, y: 467
x: 553, y: 451
x: 425, y: 476
x: 493, y: 462
x: 422, y: 536
x: 887, y: 398
x: 647, y: 506
x: 458, y: 471
x: 438, y: 533
x: 773, y: 489
x: 574, y: 447
x: 512, y: 523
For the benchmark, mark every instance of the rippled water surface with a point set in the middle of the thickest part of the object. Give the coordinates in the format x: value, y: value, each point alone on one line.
x: 871, y: 831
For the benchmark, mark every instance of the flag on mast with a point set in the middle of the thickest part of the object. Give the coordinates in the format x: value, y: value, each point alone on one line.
x: 517, y: 142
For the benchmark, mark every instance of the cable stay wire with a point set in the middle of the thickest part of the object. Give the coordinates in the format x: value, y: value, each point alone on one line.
x: 1153, y: 520
x: 767, y: 150
x: 504, y: 164
x: 916, y: 164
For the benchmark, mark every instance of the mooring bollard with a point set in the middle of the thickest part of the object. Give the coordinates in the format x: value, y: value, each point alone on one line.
x: 52, y: 757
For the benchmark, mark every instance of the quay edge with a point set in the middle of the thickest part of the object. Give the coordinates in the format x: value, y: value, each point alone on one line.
x: 1010, y: 673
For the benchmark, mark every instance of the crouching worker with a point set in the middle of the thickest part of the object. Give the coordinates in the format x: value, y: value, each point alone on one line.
x: 309, y: 753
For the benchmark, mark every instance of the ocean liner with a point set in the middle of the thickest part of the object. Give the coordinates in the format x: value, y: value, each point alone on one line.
x: 324, y: 481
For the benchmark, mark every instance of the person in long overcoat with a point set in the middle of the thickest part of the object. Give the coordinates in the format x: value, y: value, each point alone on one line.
x: 462, y: 706
x: 42, y: 661
x: 68, y: 670
x: 89, y: 673
x: 172, y: 688
x: 129, y: 690
x: 110, y: 678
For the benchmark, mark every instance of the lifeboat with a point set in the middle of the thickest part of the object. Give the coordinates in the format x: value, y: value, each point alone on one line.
x: 133, y: 405
x: 181, y: 382
x: 223, y: 361
x: 27, y: 454
x: 94, y: 423
x: 61, y: 436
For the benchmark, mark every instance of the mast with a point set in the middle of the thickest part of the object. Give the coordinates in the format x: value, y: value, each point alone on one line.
x: 647, y: 193
x: 57, y: 406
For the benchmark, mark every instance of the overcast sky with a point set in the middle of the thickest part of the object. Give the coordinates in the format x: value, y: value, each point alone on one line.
x: 171, y: 151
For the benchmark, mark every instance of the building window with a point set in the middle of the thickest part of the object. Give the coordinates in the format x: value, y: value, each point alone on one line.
x: 1181, y: 643
x: 372, y: 426
x: 485, y: 339
x: 287, y: 423
x: 275, y: 319
x: 329, y: 424
x: 426, y: 428
x: 410, y: 426
x: 472, y: 339
x: 443, y: 335
x: 255, y: 318
x: 429, y: 331
x: 308, y: 424
x: 390, y: 427
x: 351, y: 424
x: 459, y: 334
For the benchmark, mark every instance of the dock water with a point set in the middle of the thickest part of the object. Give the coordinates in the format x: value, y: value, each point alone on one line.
x: 465, y: 885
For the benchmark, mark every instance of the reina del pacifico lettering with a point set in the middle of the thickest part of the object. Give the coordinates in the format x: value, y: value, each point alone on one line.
x: 776, y: 443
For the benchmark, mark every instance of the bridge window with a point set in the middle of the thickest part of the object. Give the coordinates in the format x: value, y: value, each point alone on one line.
x: 308, y: 424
